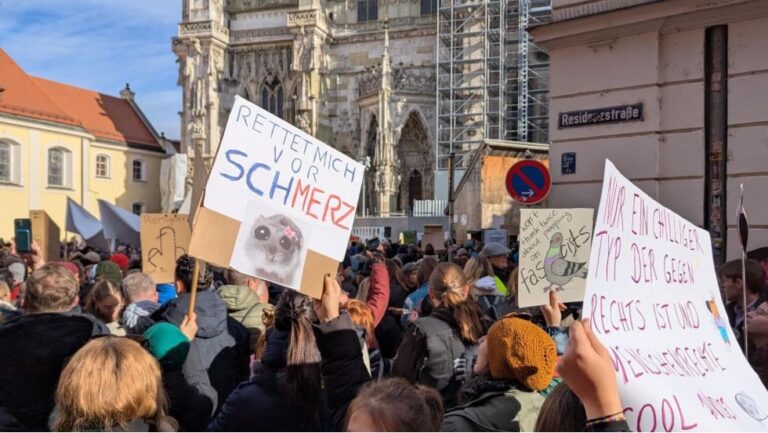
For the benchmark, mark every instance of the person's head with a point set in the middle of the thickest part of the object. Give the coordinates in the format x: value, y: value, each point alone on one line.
x: 257, y: 285
x: 108, y: 383
x: 16, y: 269
x: 295, y: 314
x: 562, y: 411
x: 394, y: 405
x: 107, y: 270
x: 5, y: 292
x: 185, y: 268
x: 167, y: 344
x: 426, y: 266
x: 121, y: 260
x: 760, y: 255
x: 393, y: 269
x: 733, y: 282
x: 521, y: 351
x: 448, y: 288
x: 362, y: 315
x: 139, y: 286
x: 429, y: 250
x: 105, y: 301
x: 512, y: 285
x: 476, y: 268
x: 409, y: 275
x: 50, y: 289
x: 496, y: 253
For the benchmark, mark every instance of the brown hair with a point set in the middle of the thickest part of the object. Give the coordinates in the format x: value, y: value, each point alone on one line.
x: 562, y: 411
x: 295, y: 314
x: 102, y: 290
x: 476, y: 268
x: 395, y: 405
x: 449, y: 286
x: 50, y: 289
x: 512, y: 286
x: 424, y: 271
x: 393, y: 269
x: 755, y: 275
x: 108, y: 383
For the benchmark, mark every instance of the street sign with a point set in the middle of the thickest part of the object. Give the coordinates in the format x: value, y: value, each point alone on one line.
x: 528, y: 181
x: 568, y: 163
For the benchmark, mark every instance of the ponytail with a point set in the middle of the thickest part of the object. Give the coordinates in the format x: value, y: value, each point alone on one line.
x: 295, y: 314
x: 449, y: 285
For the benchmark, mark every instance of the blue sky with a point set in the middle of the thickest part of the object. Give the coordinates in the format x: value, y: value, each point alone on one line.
x: 100, y: 45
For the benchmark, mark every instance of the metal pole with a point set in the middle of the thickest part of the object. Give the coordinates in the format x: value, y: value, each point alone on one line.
x: 451, y: 163
x: 744, y: 294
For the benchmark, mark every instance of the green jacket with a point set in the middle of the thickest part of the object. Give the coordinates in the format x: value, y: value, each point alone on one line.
x: 243, y: 305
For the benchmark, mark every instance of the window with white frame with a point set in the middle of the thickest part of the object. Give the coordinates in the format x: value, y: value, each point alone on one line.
x: 59, y: 167
x: 103, y: 168
x: 139, y: 170
x: 138, y: 208
x: 5, y: 162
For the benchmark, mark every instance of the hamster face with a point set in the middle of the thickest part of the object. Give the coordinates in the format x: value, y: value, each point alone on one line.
x: 277, y: 239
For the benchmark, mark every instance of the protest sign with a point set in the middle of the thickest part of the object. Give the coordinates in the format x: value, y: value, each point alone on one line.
x: 278, y: 204
x: 554, y: 249
x: 164, y: 238
x: 653, y: 300
x: 433, y: 235
x: 47, y: 235
x: 496, y: 235
x: 408, y: 237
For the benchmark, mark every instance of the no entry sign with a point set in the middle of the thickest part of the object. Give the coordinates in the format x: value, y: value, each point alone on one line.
x: 528, y: 181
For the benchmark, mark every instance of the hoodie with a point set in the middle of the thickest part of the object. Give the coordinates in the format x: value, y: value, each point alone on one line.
x: 243, y: 305
x: 221, y: 343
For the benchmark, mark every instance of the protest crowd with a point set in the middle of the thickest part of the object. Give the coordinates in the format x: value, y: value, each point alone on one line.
x: 404, y: 338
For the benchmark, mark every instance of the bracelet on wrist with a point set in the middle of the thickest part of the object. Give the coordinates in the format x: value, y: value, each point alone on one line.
x: 618, y: 416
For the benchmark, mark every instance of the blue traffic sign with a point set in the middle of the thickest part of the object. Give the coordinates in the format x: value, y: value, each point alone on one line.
x: 528, y: 181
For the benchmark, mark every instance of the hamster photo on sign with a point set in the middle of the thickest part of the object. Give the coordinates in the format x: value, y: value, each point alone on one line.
x: 271, y: 244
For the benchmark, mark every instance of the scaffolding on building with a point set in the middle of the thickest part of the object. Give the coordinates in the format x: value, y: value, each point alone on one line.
x: 492, y: 79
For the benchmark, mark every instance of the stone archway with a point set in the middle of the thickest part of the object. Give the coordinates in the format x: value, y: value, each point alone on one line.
x: 416, y: 163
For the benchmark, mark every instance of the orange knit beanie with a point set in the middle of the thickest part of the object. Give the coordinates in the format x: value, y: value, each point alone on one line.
x: 519, y: 350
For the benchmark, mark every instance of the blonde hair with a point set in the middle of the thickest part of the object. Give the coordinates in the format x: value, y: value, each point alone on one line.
x: 512, y: 286
x: 4, y: 289
x: 108, y: 383
x: 449, y: 286
x: 52, y: 288
x: 476, y: 268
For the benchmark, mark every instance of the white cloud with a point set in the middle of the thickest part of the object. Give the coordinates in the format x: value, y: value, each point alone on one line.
x: 100, y: 45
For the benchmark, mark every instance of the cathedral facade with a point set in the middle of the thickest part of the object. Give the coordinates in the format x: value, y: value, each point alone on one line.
x: 357, y: 74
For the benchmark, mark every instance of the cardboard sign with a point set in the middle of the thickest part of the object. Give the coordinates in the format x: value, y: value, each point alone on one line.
x: 554, y: 250
x: 653, y: 300
x: 433, y: 234
x: 278, y: 203
x: 47, y: 235
x: 164, y: 238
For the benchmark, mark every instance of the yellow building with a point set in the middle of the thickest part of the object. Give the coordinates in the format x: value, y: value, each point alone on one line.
x: 59, y: 141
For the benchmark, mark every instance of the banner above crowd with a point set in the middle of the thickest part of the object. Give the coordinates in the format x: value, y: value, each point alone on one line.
x: 653, y: 300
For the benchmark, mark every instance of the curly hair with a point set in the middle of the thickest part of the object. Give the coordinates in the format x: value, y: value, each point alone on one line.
x: 185, y: 268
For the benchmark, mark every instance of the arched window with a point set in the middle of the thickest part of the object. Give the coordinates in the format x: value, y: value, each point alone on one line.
x: 139, y: 170
x: 103, y: 168
x: 59, y: 167
x: 272, y: 97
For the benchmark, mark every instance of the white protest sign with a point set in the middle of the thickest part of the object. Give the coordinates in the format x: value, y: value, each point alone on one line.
x: 290, y: 192
x: 554, y: 250
x: 495, y: 235
x: 653, y: 300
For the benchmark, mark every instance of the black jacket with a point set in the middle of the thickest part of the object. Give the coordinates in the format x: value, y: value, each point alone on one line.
x: 191, y: 398
x: 738, y: 331
x: 33, y: 350
x: 221, y: 343
x: 430, y: 346
x: 262, y: 403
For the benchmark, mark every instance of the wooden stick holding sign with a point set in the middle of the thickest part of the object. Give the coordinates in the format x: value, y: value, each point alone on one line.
x: 193, y: 289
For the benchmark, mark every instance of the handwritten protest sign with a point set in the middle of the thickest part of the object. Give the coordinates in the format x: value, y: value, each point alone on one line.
x: 554, y: 250
x: 433, y: 235
x: 496, y: 235
x: 164, y: 238
x: 278, y: 202
x: 653, y: 300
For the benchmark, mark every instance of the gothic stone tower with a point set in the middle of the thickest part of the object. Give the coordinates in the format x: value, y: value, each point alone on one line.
x: 357, y: 74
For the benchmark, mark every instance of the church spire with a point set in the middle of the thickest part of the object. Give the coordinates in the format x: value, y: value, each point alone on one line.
x: 385, y: 163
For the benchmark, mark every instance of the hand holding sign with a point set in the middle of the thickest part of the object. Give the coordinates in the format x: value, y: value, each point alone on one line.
x: 587, y: 369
